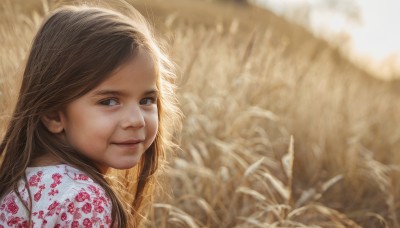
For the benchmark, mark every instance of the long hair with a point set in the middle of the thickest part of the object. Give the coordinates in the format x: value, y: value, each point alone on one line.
x: 76, y: 49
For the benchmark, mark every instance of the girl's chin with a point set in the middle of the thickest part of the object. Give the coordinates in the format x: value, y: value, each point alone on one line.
x: 124, y: 163
x: 124, y: 166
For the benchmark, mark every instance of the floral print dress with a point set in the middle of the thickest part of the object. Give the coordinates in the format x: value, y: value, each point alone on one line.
x: 62, y: 196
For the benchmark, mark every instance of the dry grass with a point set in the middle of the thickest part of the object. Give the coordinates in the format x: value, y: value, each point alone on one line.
x: 275, y: 134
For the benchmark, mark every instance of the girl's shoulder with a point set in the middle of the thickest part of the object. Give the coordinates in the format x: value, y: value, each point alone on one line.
x: 61, y: 195
x: 59, y: 181
x: 59, y: 176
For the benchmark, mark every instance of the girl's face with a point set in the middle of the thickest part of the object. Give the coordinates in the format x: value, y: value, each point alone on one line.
x: 115, y: 123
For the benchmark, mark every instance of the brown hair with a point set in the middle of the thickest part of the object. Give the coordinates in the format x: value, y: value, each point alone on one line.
x: 74, y: 51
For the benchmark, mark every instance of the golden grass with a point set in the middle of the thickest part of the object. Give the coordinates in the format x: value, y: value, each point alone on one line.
x: 275, y: 134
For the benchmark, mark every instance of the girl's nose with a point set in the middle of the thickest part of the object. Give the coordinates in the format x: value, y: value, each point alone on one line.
x: 133, y: 118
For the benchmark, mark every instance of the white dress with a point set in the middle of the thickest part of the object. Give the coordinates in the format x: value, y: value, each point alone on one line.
x: 62, y: 196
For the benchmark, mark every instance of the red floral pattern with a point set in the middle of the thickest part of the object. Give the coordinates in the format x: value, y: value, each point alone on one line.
x: 62, y: 197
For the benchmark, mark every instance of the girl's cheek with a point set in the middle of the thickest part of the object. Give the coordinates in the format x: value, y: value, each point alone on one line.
x: 152, y: 123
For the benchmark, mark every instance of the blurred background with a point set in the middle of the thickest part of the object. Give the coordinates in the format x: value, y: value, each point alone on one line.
x: 291, y: 115
x: 362, y: 29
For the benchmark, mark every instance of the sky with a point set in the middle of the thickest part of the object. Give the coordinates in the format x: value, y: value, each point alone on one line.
x: 367, y: 30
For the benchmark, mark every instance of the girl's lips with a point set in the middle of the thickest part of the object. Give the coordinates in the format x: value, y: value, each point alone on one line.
x: 129, y: 143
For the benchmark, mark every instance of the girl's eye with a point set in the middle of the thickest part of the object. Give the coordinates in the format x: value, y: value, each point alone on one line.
x: 147, y: 101
x: 109, y: 102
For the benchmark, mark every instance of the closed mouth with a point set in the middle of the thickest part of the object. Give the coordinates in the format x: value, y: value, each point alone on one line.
x: 129, y: 142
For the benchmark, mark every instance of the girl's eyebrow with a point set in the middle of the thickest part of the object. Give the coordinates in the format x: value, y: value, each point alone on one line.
x: 151, y: 92
x: 107, y: 92
x: 121, y: 93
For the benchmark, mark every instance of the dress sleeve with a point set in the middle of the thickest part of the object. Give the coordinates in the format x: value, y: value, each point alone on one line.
x: 88, y: 207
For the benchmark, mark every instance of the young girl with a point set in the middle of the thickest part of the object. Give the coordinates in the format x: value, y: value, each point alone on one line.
x: 96, y: 94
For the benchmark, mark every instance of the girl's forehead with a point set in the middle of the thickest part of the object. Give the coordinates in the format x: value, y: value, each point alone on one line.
x: 142, y: 61
x: 138, y: 70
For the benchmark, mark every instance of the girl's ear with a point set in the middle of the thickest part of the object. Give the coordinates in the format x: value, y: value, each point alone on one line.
x: 53, y: 122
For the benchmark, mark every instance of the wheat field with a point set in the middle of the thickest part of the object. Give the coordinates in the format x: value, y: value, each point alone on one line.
x: 278, y: 131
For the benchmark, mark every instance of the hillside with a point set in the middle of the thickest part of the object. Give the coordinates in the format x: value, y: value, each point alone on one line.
x: 245, y: 20
x: 249, y: 18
